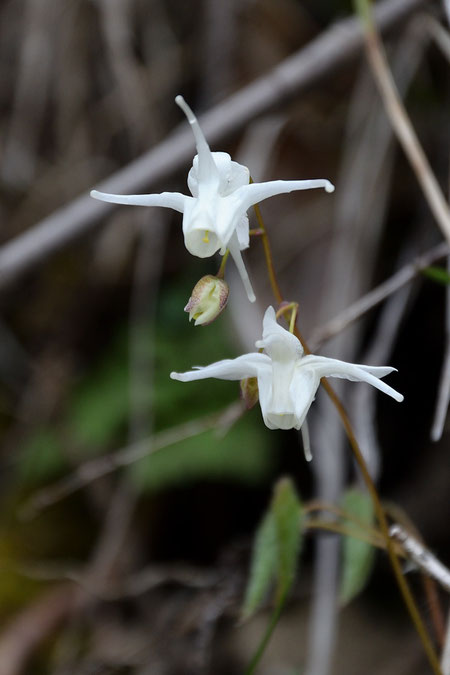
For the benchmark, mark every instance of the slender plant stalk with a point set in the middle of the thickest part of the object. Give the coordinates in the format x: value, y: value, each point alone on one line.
x: 268, y: 634
x: 337, y: 528
x: 400, y: 120
x: 401, y: 581
x: 223, y: 264
x: 434, y: 606
x: 398, y: 515
x: 318, y: 505
x: 436, y: 201
x: 268, y: 255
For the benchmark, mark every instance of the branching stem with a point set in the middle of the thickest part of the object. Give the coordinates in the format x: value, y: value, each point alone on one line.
x: 379, y: 512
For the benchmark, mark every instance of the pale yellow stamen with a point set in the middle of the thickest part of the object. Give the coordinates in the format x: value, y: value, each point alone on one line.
x: 206, y: 238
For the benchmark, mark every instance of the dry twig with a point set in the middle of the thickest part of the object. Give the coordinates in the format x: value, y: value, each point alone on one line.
x: 332, y: 49
x: 90, y: 471
x: 33, y: 626
x: 421, y: 556
x: 402, y: 124
x: 404, y: 276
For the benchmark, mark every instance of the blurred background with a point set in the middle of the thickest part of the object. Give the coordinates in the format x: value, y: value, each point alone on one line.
x: 129, y: 501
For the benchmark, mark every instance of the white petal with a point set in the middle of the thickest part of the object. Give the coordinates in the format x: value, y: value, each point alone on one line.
x: 303, y: 390
x: 207, y: 170
x: 257, y: 192
x: 265, y: 392
x: 243, y: 234
x: 200, y: 235
x: 171, y: 200
x: 231, y: 174
x: 247, y: 365
x: 325, y: 367
x: 279, y: 343
x: 202, y: 243
x: 235, y: 252
x: 282, y: 373
x: 270, y: 323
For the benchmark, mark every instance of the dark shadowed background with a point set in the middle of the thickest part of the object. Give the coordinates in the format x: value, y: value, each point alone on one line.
x: 141, y: 569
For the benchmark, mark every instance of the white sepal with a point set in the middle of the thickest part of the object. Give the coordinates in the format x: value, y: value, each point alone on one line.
x: 215, y: 217
x: 288, y: 380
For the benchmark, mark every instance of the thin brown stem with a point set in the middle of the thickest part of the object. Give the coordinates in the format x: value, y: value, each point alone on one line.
x: 434, y: 606
x: 401, y: 581
x: 268, y: 254
x: 390, y: 547
x: 318, y: 505
x: 398, y: 515
x: 338, y: 528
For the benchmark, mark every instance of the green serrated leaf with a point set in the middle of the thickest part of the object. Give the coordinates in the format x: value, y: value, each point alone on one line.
x: 275, y: 554
x: 438, y: 274
x: 358, y: 555
x: 276, y: 548
x: 263, y: 566
x: 287, y: 511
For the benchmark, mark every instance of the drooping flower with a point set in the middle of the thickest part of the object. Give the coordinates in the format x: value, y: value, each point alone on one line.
x: 287, y: 378
x: 208, y: 299
x: 215, y: 217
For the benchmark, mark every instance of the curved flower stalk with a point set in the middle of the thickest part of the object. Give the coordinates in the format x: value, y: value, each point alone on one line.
x: 215, y: 217
x: 287, y: 379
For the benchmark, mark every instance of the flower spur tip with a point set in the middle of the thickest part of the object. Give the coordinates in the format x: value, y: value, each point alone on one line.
x: 181, y: 103
x: 329, y: 187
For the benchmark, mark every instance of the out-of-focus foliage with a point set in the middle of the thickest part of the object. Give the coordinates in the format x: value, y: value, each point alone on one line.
x: 438, y: 274
x: 276, y: 548
x: 242, y: 455
x: 97, y: 412
x: 358, y: 555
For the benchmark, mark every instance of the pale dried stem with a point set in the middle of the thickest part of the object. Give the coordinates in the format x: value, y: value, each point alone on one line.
x: 363, y: 403
x: 20, y: 151
x: 94, y: 469
x: 131, y: 91
x: 421, y: 556
x: 32, y: 627
x: 446, y: 4
x: 322, y: 56
x: 359, y: 215
x: 405, y: 132
x: 444, y: 383
x: 439, y: 35
x: 355, y: 311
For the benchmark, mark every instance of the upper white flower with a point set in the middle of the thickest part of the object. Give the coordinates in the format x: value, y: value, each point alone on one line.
x: 215, y: 217
x: 287, y: 379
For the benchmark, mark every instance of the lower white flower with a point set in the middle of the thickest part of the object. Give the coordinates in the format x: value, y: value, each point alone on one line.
x: 215, y: 217
x: 287, y: 379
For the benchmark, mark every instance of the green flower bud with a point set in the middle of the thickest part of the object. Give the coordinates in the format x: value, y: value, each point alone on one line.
x: 209, y: 298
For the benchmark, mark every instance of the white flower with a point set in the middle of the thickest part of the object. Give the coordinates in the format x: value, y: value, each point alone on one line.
x: 215, y: 217
x: 287, y: 379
